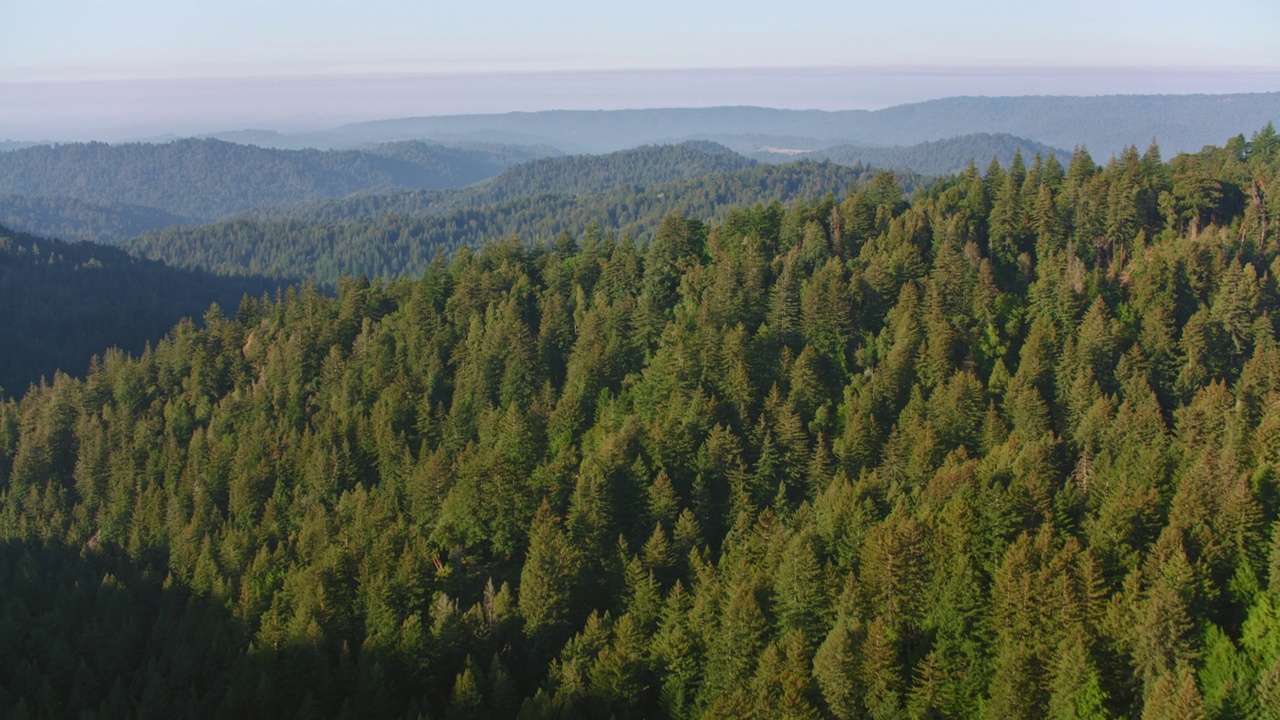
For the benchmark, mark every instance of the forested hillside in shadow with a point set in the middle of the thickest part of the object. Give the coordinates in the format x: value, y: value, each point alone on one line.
x: 64, y: 303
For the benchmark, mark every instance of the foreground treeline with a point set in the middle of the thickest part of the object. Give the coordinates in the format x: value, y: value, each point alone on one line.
x: 1008, y: 451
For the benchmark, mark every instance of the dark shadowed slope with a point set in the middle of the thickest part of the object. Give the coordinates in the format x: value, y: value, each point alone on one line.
x: 70, y: 219
x: 62, y: 303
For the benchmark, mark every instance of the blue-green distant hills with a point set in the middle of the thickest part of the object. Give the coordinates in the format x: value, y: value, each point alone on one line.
x: 210, y: 179
x: 1103, y: 124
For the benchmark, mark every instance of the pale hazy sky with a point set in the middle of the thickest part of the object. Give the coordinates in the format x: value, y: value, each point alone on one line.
x: 117, y: 69
x: 84, y: 39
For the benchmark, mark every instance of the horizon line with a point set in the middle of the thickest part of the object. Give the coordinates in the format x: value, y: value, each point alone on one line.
x: 937, y: 69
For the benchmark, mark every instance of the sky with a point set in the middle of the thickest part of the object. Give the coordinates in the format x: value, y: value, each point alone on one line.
x: 113, y: 68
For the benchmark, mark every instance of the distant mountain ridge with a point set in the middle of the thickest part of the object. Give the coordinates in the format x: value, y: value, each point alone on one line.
x: 1103, y: 124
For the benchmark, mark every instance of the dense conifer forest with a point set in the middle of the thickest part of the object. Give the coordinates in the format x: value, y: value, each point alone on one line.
x: 397, y: 235
x: 1004, y: 448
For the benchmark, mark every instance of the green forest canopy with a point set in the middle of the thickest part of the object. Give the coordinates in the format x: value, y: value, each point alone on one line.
x: 1008, y: 450
x: 398, y: 235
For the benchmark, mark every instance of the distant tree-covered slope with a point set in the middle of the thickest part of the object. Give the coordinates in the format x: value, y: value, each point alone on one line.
x: 69, y: 219
x: 396, y: 245
x: 587, y: 174
x: 569, y: 176
x: 940, y: 157
x: 62, y: 303
x: 211, y: 179
x: 464, y: 163
x: 363, y: 207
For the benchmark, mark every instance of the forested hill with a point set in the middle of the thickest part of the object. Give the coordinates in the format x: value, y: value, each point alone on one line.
x: 61, y: 304
x: 70, y: 219
x: 211, y: 179
x: 570, y: 176
x: 940, y: 157
x: 1008, y: 449
x: 587, y: 174
x: 322, y: 243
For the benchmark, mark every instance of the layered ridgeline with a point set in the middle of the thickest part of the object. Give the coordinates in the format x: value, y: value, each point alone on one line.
x: 74, y: 191
x: 63, y: 303
x: 109, y: 194
x: 1104, y: 124
x: 1006, y: 450
x: 212, y: 179
x: 570, y: 176
x: 399, y: 234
